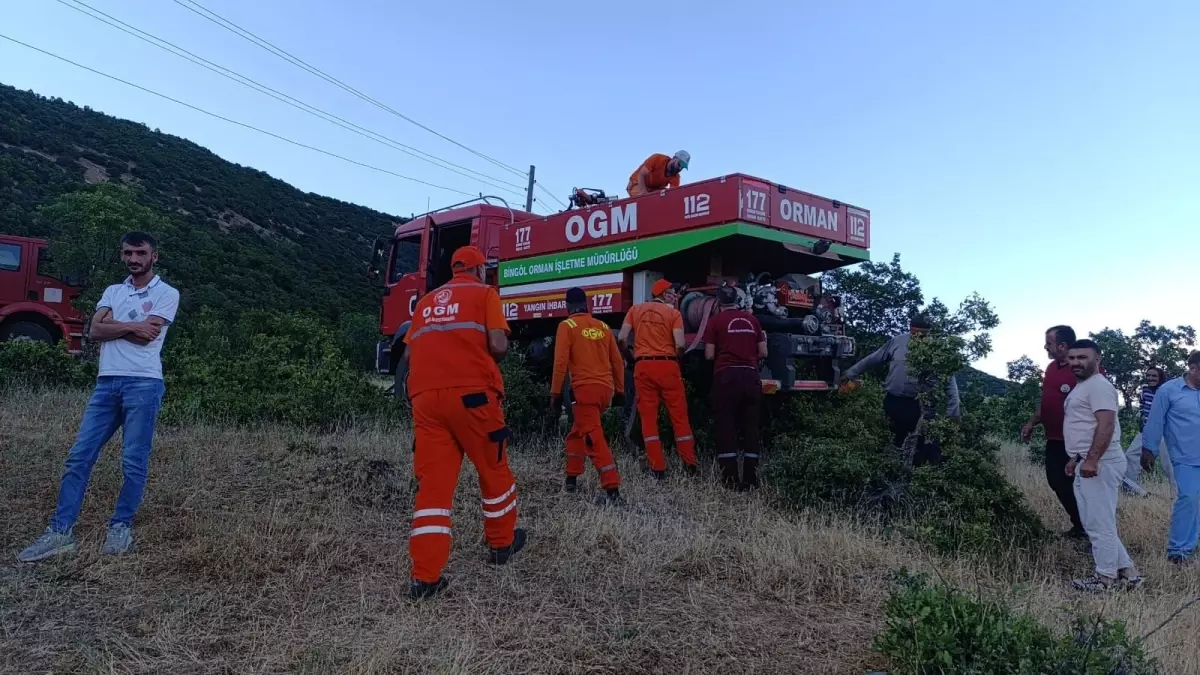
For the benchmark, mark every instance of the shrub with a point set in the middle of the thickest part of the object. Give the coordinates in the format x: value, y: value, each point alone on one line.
x: 822, y: 471
x: 38, y: 364
x: 358, y: 335
x: 937, y: 629
x: 526, y: 395
x: 837, y: 450
x: 966, y: 504
x: 265, y: 366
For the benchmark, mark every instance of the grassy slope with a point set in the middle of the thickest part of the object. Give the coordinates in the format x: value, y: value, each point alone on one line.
x: 254, y: 556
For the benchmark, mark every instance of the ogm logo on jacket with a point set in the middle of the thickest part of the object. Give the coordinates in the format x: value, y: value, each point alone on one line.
x: 593, y: 333
x: 442, y: 309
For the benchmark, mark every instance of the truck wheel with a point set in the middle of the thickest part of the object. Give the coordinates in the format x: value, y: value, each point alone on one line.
x: 26, y: 330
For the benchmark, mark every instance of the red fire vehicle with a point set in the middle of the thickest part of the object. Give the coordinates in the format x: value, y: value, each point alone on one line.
x: 33, y: 304
x: 764, y: 239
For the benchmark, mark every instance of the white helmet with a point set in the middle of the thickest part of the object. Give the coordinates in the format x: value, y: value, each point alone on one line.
x: 684, y: 157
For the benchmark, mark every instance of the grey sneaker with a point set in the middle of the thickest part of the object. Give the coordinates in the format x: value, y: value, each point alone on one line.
x: 51, y: 543
x: 119, y: 539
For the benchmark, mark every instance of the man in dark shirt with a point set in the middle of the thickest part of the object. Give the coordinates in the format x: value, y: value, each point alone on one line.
x: 1057, y: 382
x: 734, y: 341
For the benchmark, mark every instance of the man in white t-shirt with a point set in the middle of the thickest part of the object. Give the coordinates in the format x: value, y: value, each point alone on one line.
x: 130, y: 323
x: 1092, y: 435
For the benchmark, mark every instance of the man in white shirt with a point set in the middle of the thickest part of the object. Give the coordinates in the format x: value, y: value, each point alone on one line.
x: 1092, y: 435
x: 130, y: 323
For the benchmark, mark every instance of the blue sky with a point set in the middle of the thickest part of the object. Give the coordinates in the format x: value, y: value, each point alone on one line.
x: 1042, y: 154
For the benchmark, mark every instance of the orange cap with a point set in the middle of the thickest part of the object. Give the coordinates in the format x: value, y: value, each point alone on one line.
x: 661, y: 286
x: 468, y: 256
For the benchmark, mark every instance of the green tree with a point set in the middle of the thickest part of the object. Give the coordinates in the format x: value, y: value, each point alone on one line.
x: 91, y: 223
x: 1126, y: 357
x: 879, y: 299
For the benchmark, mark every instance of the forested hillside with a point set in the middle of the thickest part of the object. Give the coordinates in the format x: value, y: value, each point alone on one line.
x: 232, y: 237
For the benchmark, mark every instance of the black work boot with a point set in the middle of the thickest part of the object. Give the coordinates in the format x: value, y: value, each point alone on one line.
x: 422, y: 590
x: 659, y: 476
x: 749, y: 474
x: 611, y: 497
x: 500, y: 556
x: 691, y: 470
x: 729, y: 473
x: 572, y: 484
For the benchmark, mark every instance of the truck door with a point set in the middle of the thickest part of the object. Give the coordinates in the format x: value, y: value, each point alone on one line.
x: 403, y: 282
x: 13, y: 269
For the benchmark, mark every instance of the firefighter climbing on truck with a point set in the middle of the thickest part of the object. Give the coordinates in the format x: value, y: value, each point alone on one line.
x: 658, y: 172
x: 655, y: 329
x: 586, y: 348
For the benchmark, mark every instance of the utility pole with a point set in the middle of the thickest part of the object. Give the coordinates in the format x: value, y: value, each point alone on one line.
x: 529, y: 191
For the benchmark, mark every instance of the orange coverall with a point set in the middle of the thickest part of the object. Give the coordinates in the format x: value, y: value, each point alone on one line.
x: 587, y: 348
x: 456, y: 387
x: 658, y: 178
x: 657, y: 379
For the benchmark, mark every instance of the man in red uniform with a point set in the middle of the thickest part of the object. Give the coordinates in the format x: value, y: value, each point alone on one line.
x: 586, y: 348
x: 1057, y: 382
x: 657, y: 336
x: 658, y: 172
x: 457, y: 336
x: 734, y: 341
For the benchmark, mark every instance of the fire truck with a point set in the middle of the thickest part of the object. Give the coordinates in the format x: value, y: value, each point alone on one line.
x: 33, y: 304
x: 766, y: 240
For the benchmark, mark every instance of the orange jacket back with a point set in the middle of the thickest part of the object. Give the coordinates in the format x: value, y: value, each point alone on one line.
x: 448, y: 337
x: 658, y: 179
x: 654, y: 324
x: 587, y: 348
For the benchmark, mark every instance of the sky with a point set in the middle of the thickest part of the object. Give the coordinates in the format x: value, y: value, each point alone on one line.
x: 1041, y: 154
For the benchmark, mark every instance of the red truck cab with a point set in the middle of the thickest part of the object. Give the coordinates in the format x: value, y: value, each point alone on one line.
x: 33, y: 304
x: 417, y: 258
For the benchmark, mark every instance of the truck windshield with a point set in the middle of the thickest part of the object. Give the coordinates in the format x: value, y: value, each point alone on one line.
x: 406, y: 254
x: 10, y: 257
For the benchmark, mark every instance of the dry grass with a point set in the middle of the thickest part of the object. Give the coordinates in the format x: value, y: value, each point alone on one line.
x: 273, y: 550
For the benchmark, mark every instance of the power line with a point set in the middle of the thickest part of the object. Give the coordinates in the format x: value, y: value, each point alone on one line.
x: 176, y: 50
x: 552, y: 195
x: 202, y: 11
x: 232, y: 121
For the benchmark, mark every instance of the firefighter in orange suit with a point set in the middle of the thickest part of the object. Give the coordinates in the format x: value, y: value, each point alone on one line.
x: 658, y: 172
x: 587, y: 348
x: 458, y: 334
x: 657, y: 329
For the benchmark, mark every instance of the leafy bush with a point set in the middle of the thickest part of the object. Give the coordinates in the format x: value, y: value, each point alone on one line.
x: 837, y: 450
x: 936, y: 629
x: 823, y: 471
x: 358, y: 335
x: 38, y: 364
x: 966, y: 504
x: 265, y: 366
x: 526, y: 395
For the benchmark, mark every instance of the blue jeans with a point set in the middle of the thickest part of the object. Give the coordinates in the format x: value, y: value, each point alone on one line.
x: 128, y: 402
x: 1185, y: 517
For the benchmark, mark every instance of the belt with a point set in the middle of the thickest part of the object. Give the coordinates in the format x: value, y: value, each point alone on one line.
x: 655, y: 358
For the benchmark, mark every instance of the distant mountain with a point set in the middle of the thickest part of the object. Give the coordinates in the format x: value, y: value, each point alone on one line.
x: 989, y: 384
x: 239, y: 238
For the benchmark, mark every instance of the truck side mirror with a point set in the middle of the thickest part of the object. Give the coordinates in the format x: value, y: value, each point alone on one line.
x: 377, y: 252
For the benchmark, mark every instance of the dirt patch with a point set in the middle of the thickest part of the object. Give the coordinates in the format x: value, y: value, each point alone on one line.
x: 92, y: 172
x: 30, y: 151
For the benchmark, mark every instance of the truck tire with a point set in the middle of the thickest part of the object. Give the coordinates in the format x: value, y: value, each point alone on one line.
x: 26, y: 330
